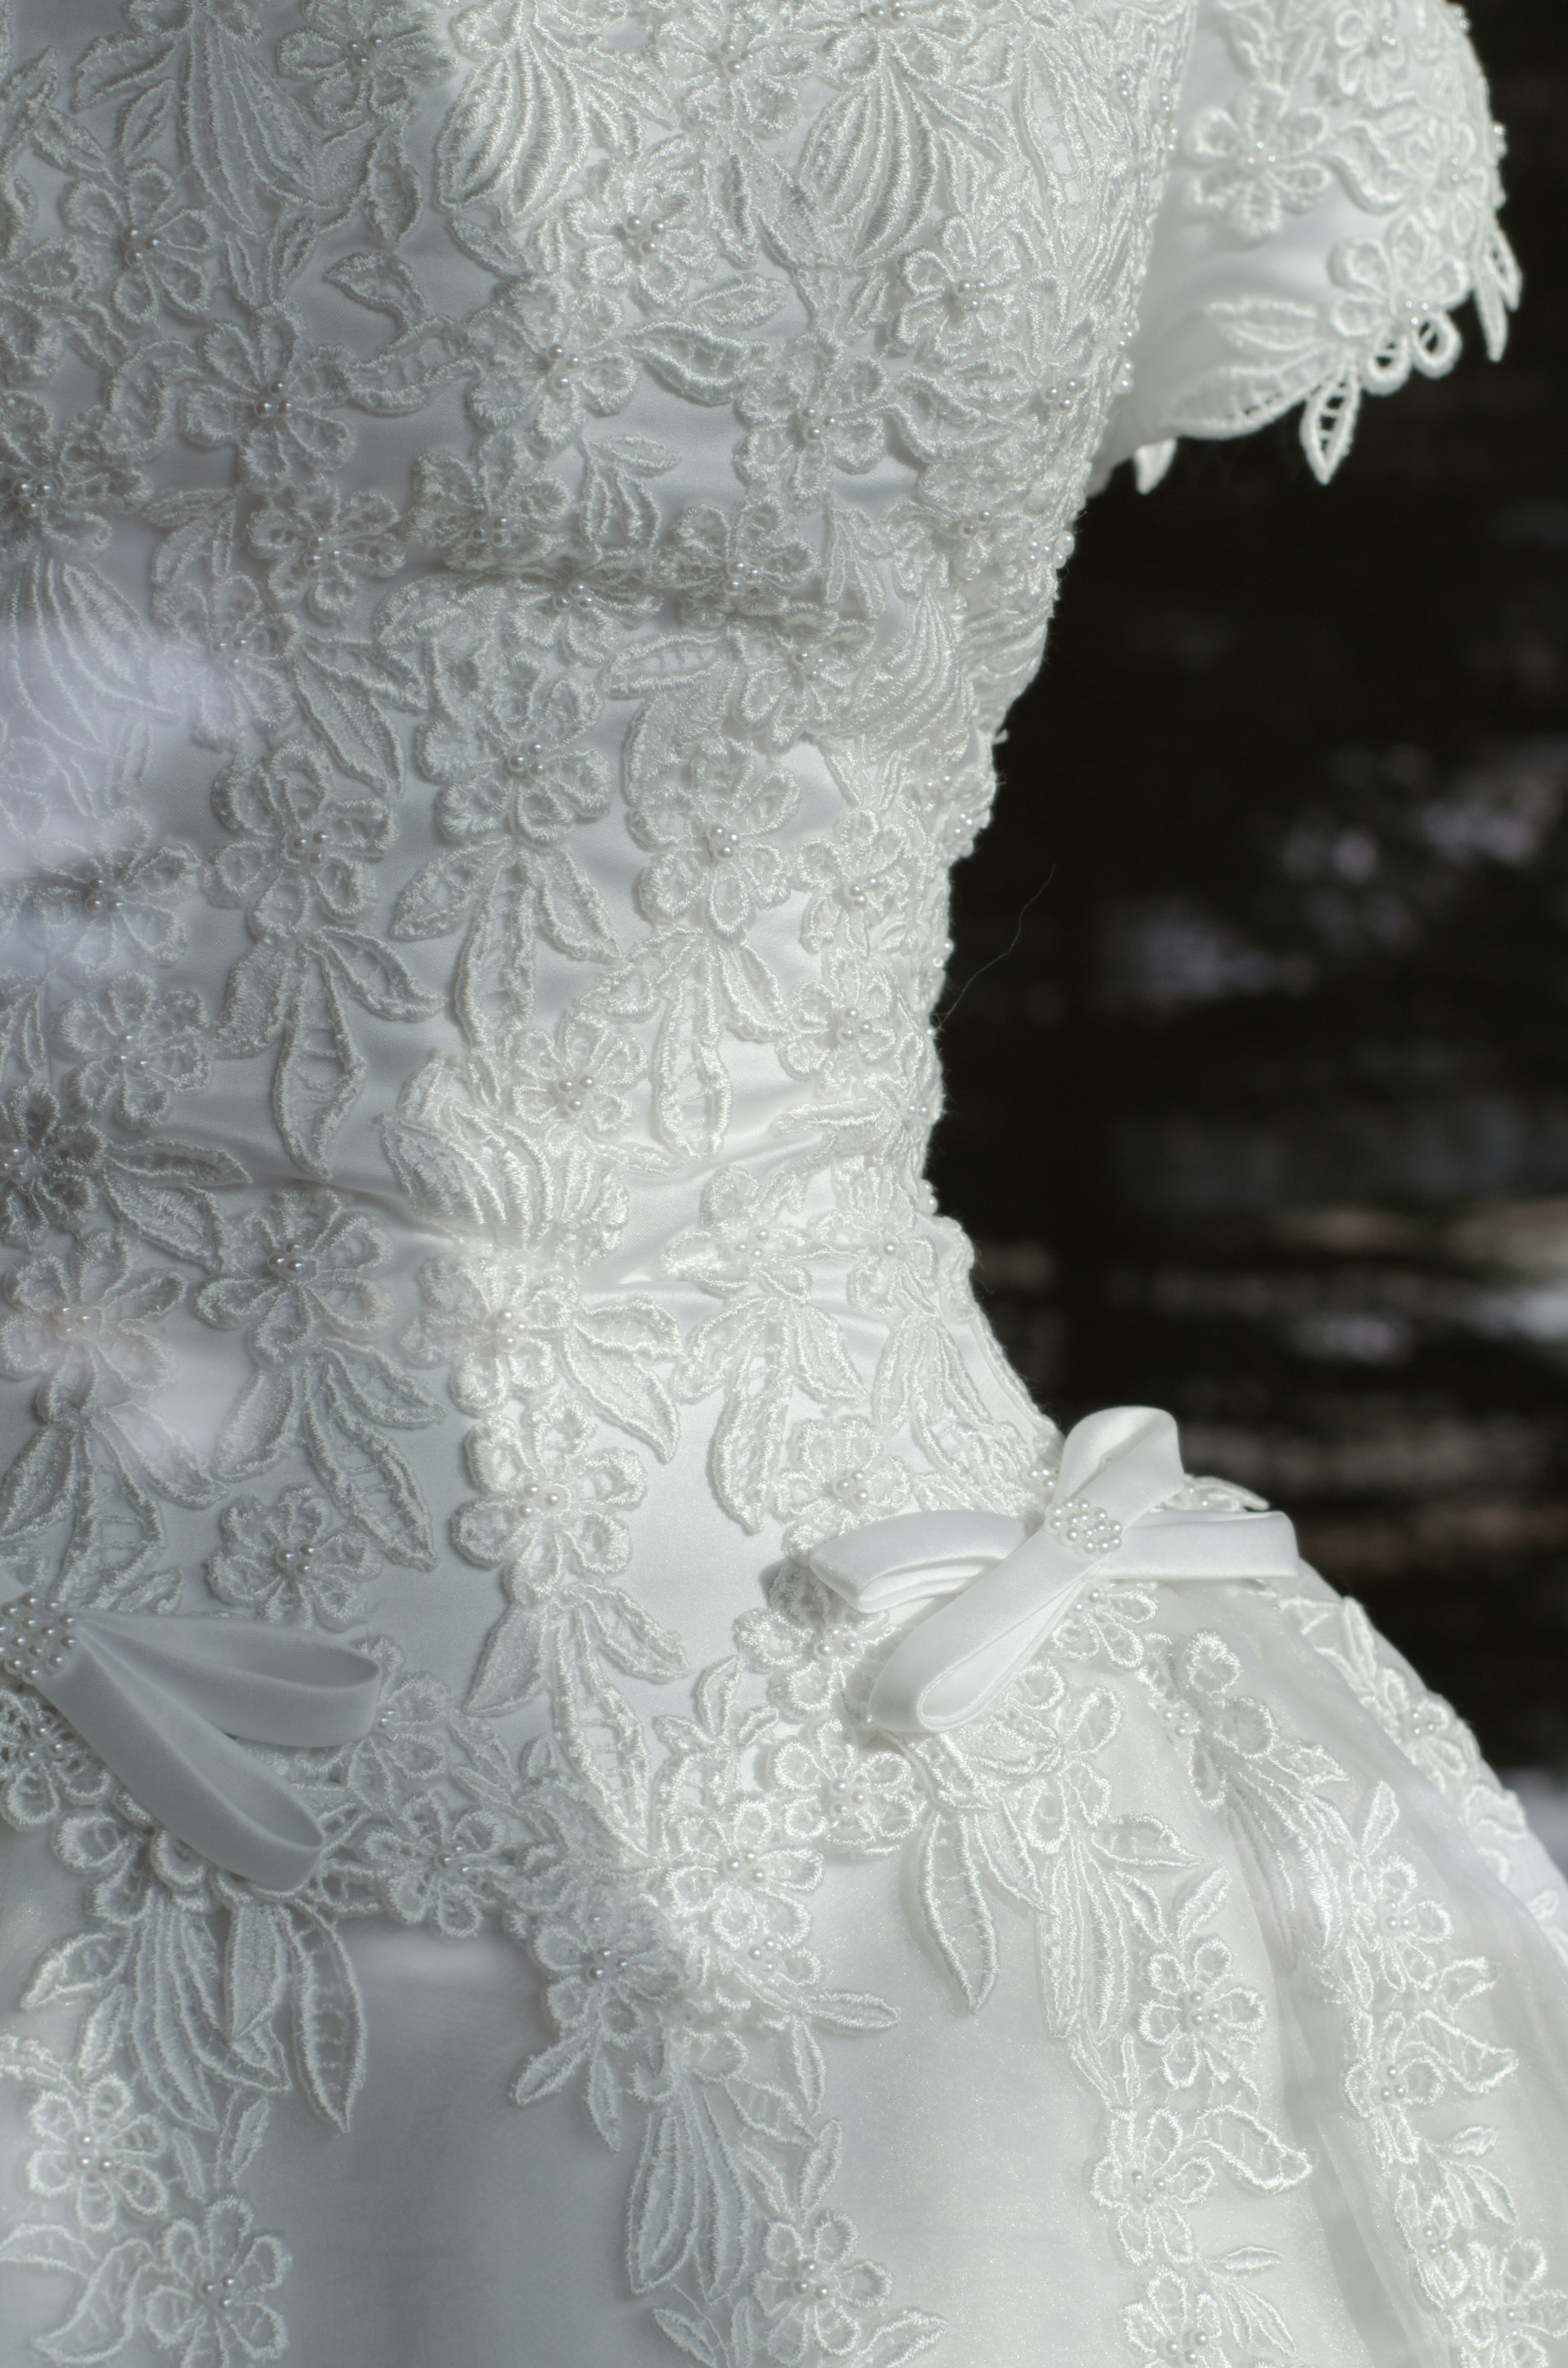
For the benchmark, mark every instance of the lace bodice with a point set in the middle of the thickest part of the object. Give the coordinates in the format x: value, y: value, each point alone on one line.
x: 522, y: 526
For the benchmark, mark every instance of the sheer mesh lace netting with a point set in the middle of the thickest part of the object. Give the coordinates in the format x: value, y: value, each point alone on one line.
x: 521, y: 525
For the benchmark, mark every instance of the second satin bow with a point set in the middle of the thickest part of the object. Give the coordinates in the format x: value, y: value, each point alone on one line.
x: 1112, y: 1516
x: 159, y: 1700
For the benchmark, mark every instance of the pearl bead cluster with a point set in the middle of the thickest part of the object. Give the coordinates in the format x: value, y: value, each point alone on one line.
x: 1087, y: 1529
x: 641, y: 235
x: 34, y: 1638
x: 272, y: 403
x: 220, y: 2292
x: 127, y: 1057
x: 534, y: 1500
x: 33, y: 496
x: 603, y: 1962
x: 837, y: 1637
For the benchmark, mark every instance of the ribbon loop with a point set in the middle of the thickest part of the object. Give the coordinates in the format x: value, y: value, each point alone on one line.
x: 1111, y: 1514
x: 160, y: 1698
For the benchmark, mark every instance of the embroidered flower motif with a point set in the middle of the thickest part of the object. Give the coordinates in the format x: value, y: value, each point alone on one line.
x: 815, y: 2290
x: 229, y: 670
x: 805, y: 672
x: 1149, y: 2180
x: 549, y: 1518
x: 1410, y: 2058
x: 837, y: 1476
x: 47, y: 1165
x: 510, y: 756
x: 844, y: 1024
x: 271, y: 396
x: 1177, y: 2320
x: 321, y: 544
x: 614, y: 1985
x: 1258, y: 161
x: 810, y: 410
x: 719, y: 861
x: 301, y: 852
x: 1409, y: 1936
x: 410, y: 1746
x: 578, y: 1084
x: 855, y: 881
x: 491, y: 515
x: 1398, y: 295
x: 805, y: 1642
x: 637, y: 227
x: 292, y: 1560
x: 735, y: 1880
x: 511, y: 1326
x: 45, y: 1767
x: 361, y: 59
x: 955, y: 519
x: 1106, y: 1620
x: 298, y: 1271
x: 739, y: 568
x: 100, y: 2151
x: 159, y: 248
x: 582, y: 597
x: 737, y: 69
x: 960, y: 293
x: 1370, y: 57
x: 919, y: 39
x: 1510, y: 2314
x: 138, y: 1048
x: 847, y: 1796
x: 204, y: 2296
x: 80, y: 1321
x: 440, y: 1867
x: 58, y: 488
x: 549, y: 362
x: 1196, y: 2021
x: 107, y: 909
x: 743, y: 1248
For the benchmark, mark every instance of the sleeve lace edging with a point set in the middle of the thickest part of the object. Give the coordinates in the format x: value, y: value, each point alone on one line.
x: 1367, y: 118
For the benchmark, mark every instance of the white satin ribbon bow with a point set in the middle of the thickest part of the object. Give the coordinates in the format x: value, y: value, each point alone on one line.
x: 1111, y: 1517
x: 158, y: 1700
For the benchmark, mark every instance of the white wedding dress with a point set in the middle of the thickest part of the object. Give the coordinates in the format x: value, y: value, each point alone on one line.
x: 523, y: 522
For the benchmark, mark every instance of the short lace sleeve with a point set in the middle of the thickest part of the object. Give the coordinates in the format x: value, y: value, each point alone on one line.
x: 1332, y: 200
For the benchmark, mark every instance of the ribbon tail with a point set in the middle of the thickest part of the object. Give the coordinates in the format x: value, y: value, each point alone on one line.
x: 186, y: 1772
x: 955, y: 1663
x: 270, y: 1685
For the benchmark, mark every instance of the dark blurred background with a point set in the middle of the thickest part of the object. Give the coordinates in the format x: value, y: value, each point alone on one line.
x: 1259, y: 1109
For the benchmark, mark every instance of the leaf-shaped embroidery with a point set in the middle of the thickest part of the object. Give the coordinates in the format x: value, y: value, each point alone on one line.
x: 660, y: 2222
x: 320, y: 1068
x: 957, y: 1912
x: 600, y: 1735
x: 329, y: 2018
x: 1253, y: 2154
x: 362, y: 1471
x: 104, y: 2319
